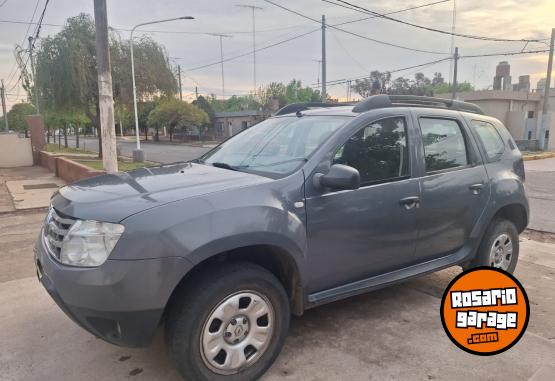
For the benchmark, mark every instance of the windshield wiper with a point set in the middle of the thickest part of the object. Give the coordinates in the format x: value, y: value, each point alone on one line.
x: 275, y: 163
x: 224, y: 166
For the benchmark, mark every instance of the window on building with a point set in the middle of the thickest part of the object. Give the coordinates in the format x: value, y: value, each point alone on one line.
x: 444, y: 144
x: 529, y: 135
x: 244, y: 125
x: 547, y: 134
x: 490, y: 138
x: 379, y: 151
x: 530, y: 114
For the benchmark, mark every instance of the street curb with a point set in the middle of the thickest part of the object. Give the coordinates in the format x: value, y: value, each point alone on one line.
x: 539, y: 235
x: 538, y: 156
x: 19, y: 212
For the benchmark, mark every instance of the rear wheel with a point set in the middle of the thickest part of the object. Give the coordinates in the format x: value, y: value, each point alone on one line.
x: 230, y: 326
x: 499, y: 247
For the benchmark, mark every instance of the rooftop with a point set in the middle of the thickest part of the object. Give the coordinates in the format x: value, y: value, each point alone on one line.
x: 243, y: 113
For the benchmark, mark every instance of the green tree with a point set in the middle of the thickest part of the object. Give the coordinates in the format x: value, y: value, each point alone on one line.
x: 66, y: 69
x: 17, y: 114
x: 292, y: 92
x: 378, y: 83
x: 173, y: 113
x: 153, y: 72
x: 203, y: 104
x: 443, y: 87
x: 63, y: 120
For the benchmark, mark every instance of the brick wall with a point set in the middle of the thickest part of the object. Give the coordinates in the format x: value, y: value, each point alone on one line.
x: 66, y: 169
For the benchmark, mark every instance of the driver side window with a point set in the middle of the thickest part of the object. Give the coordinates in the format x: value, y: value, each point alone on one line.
x: 378, y: 151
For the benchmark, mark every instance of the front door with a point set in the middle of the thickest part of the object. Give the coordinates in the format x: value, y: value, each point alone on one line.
x: 455, y: 188
x: 356, y: 234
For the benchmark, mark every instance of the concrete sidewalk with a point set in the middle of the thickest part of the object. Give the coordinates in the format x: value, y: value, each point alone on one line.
x: 391, y: 334
x: 26, y: 188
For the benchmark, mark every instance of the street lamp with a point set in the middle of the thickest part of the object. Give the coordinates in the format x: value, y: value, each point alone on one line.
x: 253, y: 8
x: 138, y: 154
x: 221, y: 36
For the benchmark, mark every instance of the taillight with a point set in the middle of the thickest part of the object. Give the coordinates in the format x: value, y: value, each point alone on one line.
x: 518, y: 168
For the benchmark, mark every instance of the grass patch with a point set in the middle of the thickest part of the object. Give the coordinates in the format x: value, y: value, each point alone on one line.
x: 122, y: 165
x: 55, y: 148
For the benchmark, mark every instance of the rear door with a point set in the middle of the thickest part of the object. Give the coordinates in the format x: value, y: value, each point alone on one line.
x: 454, y: 185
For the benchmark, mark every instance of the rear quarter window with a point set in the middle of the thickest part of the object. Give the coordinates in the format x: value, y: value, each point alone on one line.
x: 490, y: 138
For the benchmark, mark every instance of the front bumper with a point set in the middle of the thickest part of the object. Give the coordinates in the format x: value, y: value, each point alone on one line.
x: 121, y: 301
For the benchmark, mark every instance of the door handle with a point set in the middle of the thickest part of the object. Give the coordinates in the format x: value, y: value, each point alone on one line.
x: 476, y: 188
x: 410, y: 202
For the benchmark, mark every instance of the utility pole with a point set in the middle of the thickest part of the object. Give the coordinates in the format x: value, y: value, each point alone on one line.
x: 221, y: 36
x: 34, y: 74
x: 324, y: 95
x: 179, y: 78
x: 545, y: 110
x: 105, y: 94
x: 253, y: 8
x: 318, y: 76
x: 3, y: 96
x: 455, y: 69
x: 453, y: 30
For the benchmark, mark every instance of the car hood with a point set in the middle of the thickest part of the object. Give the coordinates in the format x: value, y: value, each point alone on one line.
x: 113, y: 197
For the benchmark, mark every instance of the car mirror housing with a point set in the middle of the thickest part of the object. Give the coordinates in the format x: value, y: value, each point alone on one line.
x: 339, y: 177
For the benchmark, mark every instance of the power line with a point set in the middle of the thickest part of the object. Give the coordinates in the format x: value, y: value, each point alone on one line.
x: 36, y: 32
x: 250, y: 52
x: 345, y: 80
x: 506, y: 53
x: 39, y: 25
x: 394, y: 12
x: 4, y: 2
x: 346, y: 4
x: 3, y: 21
x: 356, y: 34
x: 14, y: 67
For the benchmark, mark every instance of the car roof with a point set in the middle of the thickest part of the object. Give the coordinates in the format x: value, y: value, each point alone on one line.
x: 379, y: 102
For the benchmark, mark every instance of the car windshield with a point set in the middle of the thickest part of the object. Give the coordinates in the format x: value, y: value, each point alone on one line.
x: 275, y: 147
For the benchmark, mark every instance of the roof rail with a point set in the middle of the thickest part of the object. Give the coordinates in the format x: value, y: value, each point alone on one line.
x: 297, y: 107
x: 386, y: 101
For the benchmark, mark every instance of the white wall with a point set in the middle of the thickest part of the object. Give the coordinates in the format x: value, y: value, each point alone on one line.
x: 15, y: 151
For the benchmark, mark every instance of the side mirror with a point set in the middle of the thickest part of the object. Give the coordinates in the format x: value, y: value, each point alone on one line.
x: 339, y: 177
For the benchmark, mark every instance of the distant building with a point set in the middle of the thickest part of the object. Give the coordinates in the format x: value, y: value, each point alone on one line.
x: 523, y: 84
x: 227, y: 124
x: 502, y: 79
x: 519, y: 111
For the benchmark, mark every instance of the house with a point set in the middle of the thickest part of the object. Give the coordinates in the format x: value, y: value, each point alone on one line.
x: 519, y: 111
x: 227, y: 124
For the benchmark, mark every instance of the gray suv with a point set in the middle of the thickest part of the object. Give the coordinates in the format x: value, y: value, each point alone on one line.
x: 316, y: 204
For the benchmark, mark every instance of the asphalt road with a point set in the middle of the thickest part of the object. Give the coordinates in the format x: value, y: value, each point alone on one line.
x: 540, y: 175
x: 540, y: 187
x: 158, y: 152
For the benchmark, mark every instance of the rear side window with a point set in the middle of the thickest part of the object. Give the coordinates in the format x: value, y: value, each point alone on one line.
x: 490, y: 138
x: 378, y: 151
x: 444, y: 144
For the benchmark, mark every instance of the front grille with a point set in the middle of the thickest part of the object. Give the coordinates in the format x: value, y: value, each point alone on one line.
x: 55, y: 229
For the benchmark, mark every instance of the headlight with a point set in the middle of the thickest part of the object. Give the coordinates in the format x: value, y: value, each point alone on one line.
x: 89, y: 243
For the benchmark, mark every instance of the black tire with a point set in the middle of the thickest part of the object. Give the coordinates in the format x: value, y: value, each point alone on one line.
x: 496, y: 229
x: 196, y: 303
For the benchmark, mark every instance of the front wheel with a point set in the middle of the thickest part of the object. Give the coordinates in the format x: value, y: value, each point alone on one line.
x: 499, y: 247
x: 230, y: 326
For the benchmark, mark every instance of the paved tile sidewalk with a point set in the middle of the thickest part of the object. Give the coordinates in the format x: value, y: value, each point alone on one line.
x: 26, y: 188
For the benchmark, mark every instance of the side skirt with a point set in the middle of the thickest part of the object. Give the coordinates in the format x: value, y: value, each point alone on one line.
x: 387, y: 279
